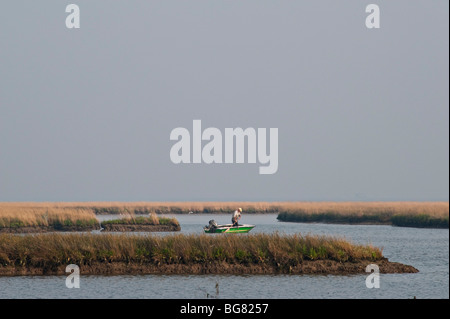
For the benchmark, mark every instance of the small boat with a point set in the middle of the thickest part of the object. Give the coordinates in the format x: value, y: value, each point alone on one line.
x: 214, y: 228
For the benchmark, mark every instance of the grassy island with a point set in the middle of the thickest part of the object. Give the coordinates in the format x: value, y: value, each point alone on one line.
x: 141, y: 223
x: 38, y: 218
x: 108, y: 254
x: 403, y: 214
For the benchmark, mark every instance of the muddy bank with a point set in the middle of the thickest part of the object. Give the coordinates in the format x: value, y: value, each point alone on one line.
x: 139, y: 228
x: 105, y: 228
x: 46, y: 229
x: 319, y: 267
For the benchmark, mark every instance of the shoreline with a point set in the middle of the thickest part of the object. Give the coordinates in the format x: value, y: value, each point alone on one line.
x: 46, y: 229
x: 139, y: 228
x: 106, y: 228
x: 318, y: 267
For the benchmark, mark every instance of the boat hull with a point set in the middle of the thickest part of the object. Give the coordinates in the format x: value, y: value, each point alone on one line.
x: 229, y: 229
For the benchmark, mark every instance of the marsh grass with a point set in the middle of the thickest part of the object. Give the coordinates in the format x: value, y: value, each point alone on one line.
x: 406, y: 214
x: 54, y: 250
x: 145, y: 208
x: 65, y: 218
x: 434, y: 209
x: 153, y: 219
x: 413, y: 214
x: 58, y: 218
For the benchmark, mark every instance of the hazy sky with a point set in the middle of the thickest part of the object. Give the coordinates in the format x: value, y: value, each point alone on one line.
x: 86, y: 114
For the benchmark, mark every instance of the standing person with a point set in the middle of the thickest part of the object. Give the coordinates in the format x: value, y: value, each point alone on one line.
x: 236, y: 216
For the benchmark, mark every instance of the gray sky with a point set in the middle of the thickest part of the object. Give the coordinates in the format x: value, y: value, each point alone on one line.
x: 86, y: 114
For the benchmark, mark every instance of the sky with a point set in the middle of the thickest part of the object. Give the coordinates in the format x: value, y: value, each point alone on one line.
x: 86, y: 114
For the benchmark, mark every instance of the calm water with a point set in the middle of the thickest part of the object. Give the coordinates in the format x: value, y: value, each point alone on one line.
x: 425, y: 249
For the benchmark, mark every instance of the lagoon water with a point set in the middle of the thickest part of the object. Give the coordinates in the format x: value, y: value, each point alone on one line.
x: 425, y: 249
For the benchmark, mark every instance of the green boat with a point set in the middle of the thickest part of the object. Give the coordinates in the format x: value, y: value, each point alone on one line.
x: 214, y: 228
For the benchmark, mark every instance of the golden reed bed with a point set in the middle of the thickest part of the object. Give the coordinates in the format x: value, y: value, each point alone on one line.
x: 430, y: 208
